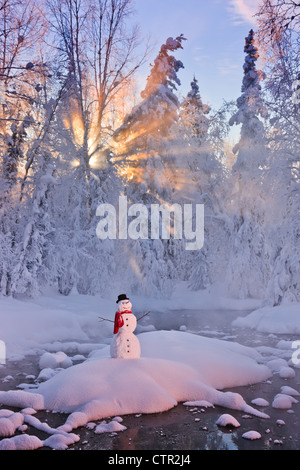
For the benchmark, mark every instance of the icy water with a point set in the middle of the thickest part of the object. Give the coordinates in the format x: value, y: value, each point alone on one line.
x: 191, y: 428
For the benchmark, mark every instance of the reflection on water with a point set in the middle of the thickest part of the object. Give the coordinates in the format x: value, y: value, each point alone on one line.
x: 221, y: 441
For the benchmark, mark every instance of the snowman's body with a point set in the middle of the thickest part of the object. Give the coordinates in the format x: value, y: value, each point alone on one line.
x: 125, y: 345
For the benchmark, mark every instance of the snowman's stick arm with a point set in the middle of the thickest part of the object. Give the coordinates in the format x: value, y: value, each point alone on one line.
x: 105, y: 319
x: 112, y: 321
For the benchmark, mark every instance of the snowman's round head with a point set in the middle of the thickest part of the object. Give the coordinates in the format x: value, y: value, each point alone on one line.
x: 124, y: 305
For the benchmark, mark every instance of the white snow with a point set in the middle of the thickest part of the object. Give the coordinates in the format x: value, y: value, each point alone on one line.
x: 61, y: 441
x: 227, y: 420
x: 252, y: 435
x: 10, y: 422
x: 57, y: 323
x: 54, y: 360
x: 285, y: 389
x: 283, y: 401
x: 260, y: 402
x: 282, y: 319
x: 28, y: 326
x: 175, y: 366
x: 112, y: 426
x: 22, y: 442
x: 286, y: 372
x: 22, y: 399
x: 201, y: 403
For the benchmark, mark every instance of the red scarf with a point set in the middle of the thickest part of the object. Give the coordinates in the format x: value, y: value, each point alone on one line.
x: 119, y: 322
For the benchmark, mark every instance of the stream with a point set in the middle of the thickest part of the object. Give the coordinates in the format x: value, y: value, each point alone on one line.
x: 193, y: 428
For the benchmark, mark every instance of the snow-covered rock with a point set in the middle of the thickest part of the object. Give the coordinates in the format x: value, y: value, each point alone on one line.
x: 283, y: 401
x: 9, y: 422
x: 260, y: 402
x: 285, y: 389
x: 22, y: 442
x: 112, y: 426
x: 54, y: 360
x: 227, y: 420
x: 251, y: 435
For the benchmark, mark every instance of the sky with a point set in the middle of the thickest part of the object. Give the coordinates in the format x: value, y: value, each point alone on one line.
x: 215, y: 31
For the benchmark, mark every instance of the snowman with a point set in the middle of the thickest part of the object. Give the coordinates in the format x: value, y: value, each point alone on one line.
x: 124, y: 345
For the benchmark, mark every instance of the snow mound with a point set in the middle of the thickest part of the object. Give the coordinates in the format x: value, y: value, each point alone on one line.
x: 283, y: 401
x: 285, y: 389
x: 227, y: 420
x: 53, y: 360
x: 175, y: 367
x: 282, y: 319
x: 112, y: 426
x: 9, y: 422
x: 60, y: 441
x: 252, y: 435
x: 22, y: 442
x: 260, y: 402
x: 22, y: 399
x: 286, y: 373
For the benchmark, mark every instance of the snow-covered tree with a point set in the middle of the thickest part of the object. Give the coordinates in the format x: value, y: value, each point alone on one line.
x: 97, y: 61
x: 284, y: 238
x: 193, y: 113
x: 201, y: 165
x: 283, y: 175
x: 248, y: 266
x: 279, y: 38
x: 33, y: 269
x: 9, y: 200
x: 160, y: 104
x: 250, y: 148
x: 147, y: 144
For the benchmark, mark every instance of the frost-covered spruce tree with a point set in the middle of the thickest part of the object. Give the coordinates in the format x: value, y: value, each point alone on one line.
x: 147, y: 145
x: 193, y: 113
x: 284, y: 212
x: 33, y: 269
x: 250, y: 148
x: 248, y: 268
x: 203, y: 171
x: 193, y: 124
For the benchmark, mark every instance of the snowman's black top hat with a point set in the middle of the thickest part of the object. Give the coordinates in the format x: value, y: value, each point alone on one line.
x: 122, y: 297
